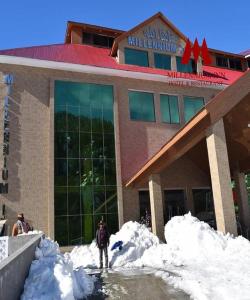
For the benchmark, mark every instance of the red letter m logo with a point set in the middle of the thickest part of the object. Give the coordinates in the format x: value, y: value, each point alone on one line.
x: 197, y: 51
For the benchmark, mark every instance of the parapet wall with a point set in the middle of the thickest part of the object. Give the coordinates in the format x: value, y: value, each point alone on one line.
x: 15, y: 268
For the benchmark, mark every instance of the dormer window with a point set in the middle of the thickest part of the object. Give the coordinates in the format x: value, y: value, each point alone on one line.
x: 97, y: 40
x: 162, y: 61
x: 136, y: 57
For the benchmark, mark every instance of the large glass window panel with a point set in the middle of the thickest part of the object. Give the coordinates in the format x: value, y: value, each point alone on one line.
x: 108, y: 122
x: 60, y: 144
x: 190, y: 67
x: 60, y: 172
x: 73, y: 172
x: 110, y: 172
x: 73, y: 144
x: 87, y: 229
x: 85, y: 118
x: 73, y: 118
x: 136, y: 57
x: 86, y: 172
x: 109, y: 149
x: 99, y: 200
x: 85, y: 145
x: 75, y: 233
x: 84, y: 133
x: 169, y: 109
x: 111, y: 199
x: 61, y: 230
x: 112, y: 222
x: 97, y: 145
x: 98, y: 171
x: 74, y: 200
x: 60, y: 201
x: 192, y: 105
x: 87, y: 199
x: 60, y: 118
x: 162, y: 61
x: 141, y: 106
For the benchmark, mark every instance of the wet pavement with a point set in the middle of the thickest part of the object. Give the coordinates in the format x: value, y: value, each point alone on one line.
x: 133, y: 284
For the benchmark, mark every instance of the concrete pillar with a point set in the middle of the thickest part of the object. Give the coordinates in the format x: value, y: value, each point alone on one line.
x: 156, y: 204
x: 221, y: 179
x: 242, y: 197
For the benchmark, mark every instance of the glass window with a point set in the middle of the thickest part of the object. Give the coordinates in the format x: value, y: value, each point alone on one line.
x: 222, y: 61
x: 190, y: 67
x: 235, y: 64
x: 85, y: 174
x: 136, y: 57
x: 162, y: 61
x: 192, y: 105
x: 141, y: 106
x: 169, y: 109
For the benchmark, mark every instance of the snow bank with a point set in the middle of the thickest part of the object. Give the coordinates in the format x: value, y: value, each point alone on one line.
x: 213, y: 265
x: 206, y: 264
x: 52, y: 276
x: 136, y: 240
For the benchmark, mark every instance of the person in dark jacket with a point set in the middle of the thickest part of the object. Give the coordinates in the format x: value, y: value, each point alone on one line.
x: 102, y: 241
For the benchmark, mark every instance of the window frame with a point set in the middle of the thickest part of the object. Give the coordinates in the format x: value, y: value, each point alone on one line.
x: 178, y: 102
x: 142, y: 91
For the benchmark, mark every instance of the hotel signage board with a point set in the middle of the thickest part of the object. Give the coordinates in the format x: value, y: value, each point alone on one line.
x: 8, y: 81
x: 157, y: 39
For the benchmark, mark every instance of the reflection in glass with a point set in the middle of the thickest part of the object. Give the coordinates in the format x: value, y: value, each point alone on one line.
x: 73, y: 172
x: 84, y: 161
x: 74, y: 200
x: 75, y: 233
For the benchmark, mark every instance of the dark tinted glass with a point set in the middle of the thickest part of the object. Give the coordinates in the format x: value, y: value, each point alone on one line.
x: 162, y: 61
x: 136, y: 57
x: 84, y: 161
x: 192, y: 105
x: 141, y: 105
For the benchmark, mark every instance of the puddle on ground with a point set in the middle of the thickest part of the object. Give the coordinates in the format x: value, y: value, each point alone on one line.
x: 133, y: 284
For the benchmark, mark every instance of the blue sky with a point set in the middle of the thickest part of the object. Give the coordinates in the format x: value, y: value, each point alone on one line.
x: 225, y: 24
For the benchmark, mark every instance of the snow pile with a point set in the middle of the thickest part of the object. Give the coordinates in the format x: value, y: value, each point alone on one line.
x: 213, y: 265
x: 204, y: 263
x: 136, y: 240
x: 52, y: 276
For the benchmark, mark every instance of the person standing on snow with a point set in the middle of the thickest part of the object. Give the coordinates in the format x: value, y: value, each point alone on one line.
x: 102, y: 241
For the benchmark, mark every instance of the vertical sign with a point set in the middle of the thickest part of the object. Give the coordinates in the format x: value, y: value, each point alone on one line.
x: 8, y: 81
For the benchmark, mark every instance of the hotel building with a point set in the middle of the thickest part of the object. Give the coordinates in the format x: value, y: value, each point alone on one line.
x: 113, y: 125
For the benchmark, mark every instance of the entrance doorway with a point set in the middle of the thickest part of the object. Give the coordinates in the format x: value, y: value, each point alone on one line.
x: 174, y: 202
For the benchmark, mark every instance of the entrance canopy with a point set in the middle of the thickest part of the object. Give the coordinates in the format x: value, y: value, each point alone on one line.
x: 233, y: 106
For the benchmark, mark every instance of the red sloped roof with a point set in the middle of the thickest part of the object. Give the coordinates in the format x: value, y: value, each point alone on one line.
x: 100, y: 57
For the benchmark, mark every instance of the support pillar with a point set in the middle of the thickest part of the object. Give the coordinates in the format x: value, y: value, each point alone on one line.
x: 156, y: 204
x: 221, y: 179
x: 242, y: 197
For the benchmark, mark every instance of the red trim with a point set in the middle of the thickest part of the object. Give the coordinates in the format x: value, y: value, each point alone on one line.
x: 100, y: 57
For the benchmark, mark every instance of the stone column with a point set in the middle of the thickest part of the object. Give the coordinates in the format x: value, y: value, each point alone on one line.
x: 221, y: 180
x: 156, y: 204
x: 242, y: 197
